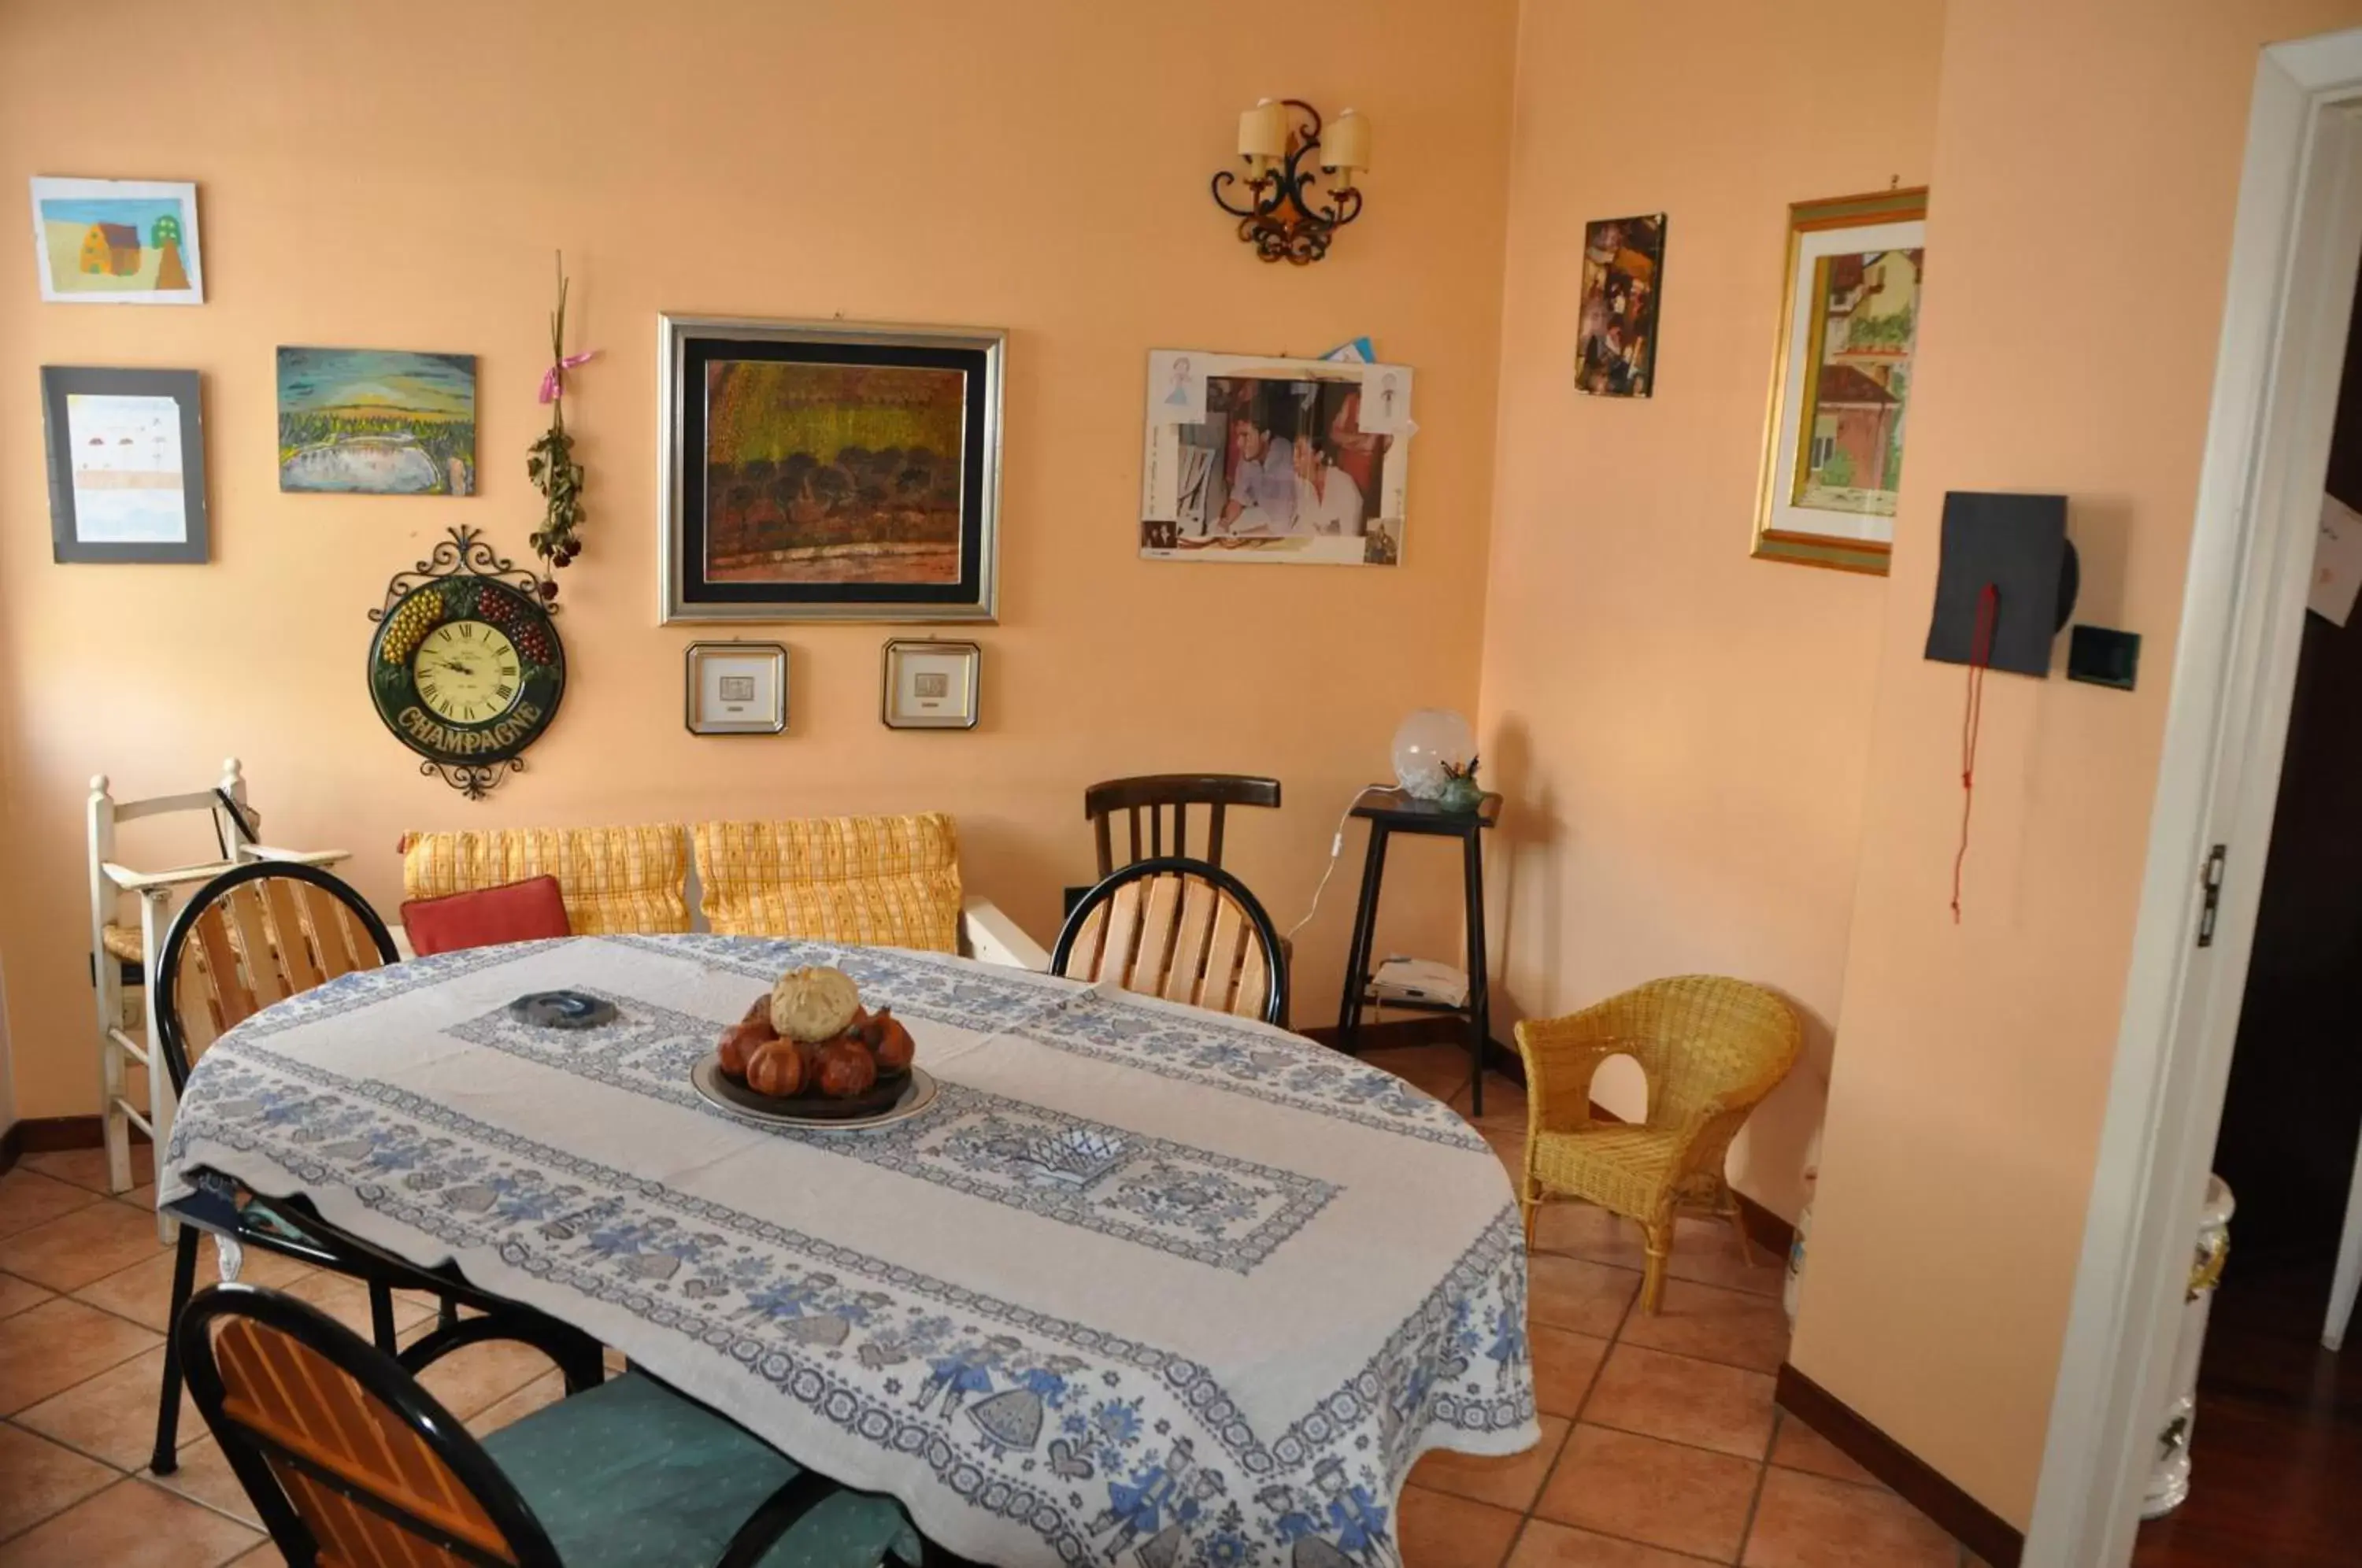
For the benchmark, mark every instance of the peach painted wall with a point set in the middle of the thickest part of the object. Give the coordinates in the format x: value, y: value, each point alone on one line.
x: 399, y: 180
x: 2086, y: 169
x: 1682, y: 731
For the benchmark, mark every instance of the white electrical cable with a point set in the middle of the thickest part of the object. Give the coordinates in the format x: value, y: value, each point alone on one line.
x: 1336, y: 849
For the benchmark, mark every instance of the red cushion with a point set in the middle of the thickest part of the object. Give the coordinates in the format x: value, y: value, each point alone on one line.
x: 518, y: 911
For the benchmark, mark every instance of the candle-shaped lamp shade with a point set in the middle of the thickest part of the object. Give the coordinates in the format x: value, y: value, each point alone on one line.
x: 1263, y: 133
x: 1346, y: 143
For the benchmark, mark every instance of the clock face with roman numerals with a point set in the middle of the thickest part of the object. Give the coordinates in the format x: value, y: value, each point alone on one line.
x: 467, y: 671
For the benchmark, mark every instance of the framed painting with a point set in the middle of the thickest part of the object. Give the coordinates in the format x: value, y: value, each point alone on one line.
x: 117, y: 241
x: 127, y: 464
x: 377, y: 422
x: 1841, y: 381
x: 828, y: 471
x: 1301, y: 462
x: 1623, y: 274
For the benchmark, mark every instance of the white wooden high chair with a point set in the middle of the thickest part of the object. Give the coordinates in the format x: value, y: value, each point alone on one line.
x: 115, y: 942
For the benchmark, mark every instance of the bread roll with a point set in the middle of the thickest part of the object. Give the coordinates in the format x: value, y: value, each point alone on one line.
x: 813, y: 1004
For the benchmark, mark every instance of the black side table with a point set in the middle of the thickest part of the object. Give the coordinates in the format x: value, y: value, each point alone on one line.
x: 1390, y: 812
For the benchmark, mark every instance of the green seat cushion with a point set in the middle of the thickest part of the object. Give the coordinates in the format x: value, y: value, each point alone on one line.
x: 630, y: 1475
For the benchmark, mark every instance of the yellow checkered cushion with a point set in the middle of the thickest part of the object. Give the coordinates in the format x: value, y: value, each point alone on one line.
x: 874, y: 881
x: 613, y: 879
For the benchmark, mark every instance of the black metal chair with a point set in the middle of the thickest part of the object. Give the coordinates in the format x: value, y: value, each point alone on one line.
x: 255, y: 935
x: 349, y: 1460
x: 1159, y: 793
x: 1181, y: 929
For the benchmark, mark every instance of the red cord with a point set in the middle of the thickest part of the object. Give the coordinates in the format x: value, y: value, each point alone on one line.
x: 1971, y: 720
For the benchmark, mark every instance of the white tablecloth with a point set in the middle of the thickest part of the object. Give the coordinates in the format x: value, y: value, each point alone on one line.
x: 1146, y: 1285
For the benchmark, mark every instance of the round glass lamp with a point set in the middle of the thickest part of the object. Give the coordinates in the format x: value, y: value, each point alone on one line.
x: 1427, y: 740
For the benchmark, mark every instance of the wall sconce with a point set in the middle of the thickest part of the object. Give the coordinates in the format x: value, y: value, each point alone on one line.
x: 1284, y: 216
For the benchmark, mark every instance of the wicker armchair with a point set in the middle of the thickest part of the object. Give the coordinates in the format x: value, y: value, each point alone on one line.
x: 1710, y: 1048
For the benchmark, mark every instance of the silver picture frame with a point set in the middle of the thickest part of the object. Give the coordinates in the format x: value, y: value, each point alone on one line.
x: 689, y: 347
x: 735, y: 688
x: 929, y: 685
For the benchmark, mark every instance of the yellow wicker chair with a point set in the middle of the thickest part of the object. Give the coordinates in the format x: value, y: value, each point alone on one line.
x: 614, y: 879
x: 1710, y: 1048
x: 881, y: 881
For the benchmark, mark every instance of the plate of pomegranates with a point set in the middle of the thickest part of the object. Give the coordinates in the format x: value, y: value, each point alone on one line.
x: 808, y: 1053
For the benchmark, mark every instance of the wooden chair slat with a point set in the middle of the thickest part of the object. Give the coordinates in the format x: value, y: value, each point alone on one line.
x: 1184, y: 975
x: 250, y: 922
x: 300, y: 964
x: 193, y: 995
x: 1156, y: 793
x: 1121, y: 945
x: 335, y: 946
x: 1152, y: 955
x: 1232, y: 933
x: 1254, y: 981
x: 289, y: 1395
x: 226, y: 984
x: 1083, y: 963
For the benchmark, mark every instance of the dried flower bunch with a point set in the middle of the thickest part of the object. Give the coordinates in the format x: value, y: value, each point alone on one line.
x: 550, y: 464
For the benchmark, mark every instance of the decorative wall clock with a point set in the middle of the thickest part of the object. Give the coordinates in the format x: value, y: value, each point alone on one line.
x: 466, y: 667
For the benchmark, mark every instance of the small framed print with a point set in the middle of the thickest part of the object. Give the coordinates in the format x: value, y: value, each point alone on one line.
x: 737, y: 689
x: 127, y: 464
x: 931, y: 686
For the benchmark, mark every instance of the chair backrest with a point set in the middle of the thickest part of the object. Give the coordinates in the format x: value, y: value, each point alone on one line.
x: 614, y: 879
x: 1183, y: 930
x: 1702, y: 1038
x: 231, y: 833
x: 257, y: 934
x: 885, y: 881
x: 1161, y: 793
x: 346, y: 1458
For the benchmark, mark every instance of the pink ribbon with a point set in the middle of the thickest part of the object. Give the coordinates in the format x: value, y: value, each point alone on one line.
x: 551, y: 378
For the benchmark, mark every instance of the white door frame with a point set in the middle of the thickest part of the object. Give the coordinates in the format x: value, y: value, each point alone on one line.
x: 2290, y: 289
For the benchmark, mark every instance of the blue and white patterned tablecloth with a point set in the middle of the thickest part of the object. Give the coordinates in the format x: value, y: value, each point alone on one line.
x: 1146, y: 1285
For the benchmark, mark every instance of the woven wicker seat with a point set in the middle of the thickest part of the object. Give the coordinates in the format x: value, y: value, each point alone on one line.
x: 121, y: 941
x: 1710, y: 1048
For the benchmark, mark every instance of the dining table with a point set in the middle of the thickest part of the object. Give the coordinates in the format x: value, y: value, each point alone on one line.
x: 1141, y: 1284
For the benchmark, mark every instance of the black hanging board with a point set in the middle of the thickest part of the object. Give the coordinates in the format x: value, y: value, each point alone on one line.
x: 2017, y: 543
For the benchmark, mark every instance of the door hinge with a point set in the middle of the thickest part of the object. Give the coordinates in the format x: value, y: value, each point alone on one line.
x: 2213, y: 889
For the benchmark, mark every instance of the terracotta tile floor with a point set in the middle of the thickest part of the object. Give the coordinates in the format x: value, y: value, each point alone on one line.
x: 84, y: 1289
x: 1661, y: 1448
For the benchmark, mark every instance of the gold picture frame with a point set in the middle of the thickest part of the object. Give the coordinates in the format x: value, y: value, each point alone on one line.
x: 1841, y: 375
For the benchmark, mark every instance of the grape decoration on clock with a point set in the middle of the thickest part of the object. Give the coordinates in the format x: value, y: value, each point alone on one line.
x: 466, y: 667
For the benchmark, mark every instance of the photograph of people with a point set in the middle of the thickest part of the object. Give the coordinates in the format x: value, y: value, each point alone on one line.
x: 1278, y: 468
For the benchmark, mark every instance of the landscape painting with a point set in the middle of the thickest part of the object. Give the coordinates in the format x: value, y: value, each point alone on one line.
x: 377, y: 422
x: 828, y: 470
x: 833, y: 472
x: 117, y: 241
